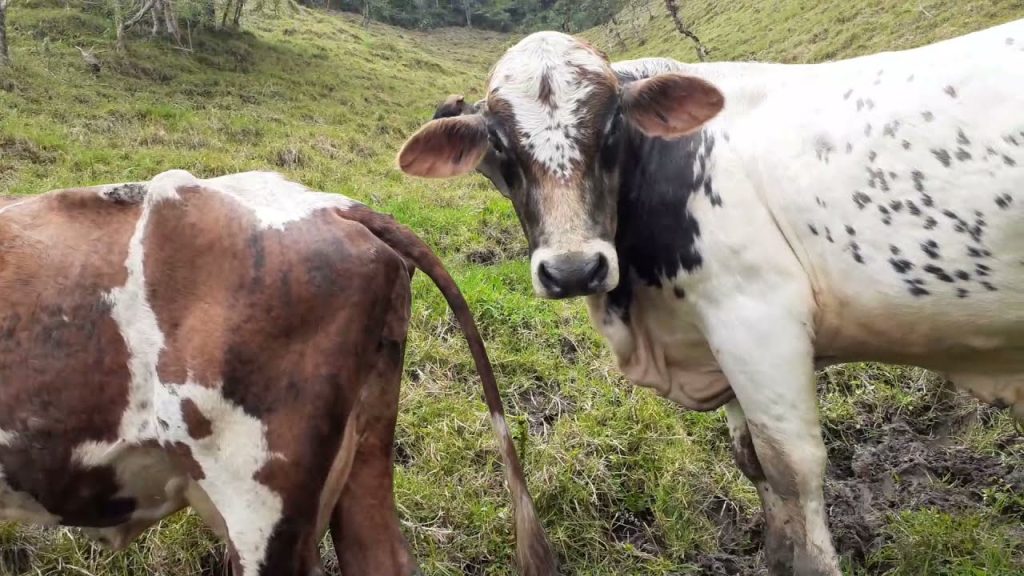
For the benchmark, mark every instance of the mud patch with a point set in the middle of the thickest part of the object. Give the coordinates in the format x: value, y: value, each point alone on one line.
x: 25, y: 150
x: 638, y: 529
x: 905, y: 470
x: 725, y: 564
x: 569, y: 348
x: 290, y: 158
x: 15, y: 559
x: 738, y: 531
x: 502, y: 241
x: 215, y: 562
x: 739, y: 540
x: 544, y: 404
x: 478, y: 567
x: 402, y: 456
x: 485, y: 256
x: 886, y: 459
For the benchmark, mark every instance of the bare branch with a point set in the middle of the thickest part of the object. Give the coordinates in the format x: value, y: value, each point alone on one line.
x: 90, y: 59
x: 237, y: 21
x: 138, y: 15
x: 171, y: 20
x: 673, y: 9
x: 227, y: 10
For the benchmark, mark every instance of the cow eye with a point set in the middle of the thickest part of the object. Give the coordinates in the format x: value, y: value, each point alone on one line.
x: 495, y: 140
x: 610, y: 145
x: 614, y: 125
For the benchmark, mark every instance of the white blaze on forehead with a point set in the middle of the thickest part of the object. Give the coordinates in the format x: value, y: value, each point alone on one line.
x: 540, y: 80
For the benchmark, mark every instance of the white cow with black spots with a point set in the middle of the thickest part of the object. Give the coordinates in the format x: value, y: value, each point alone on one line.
x: 734, y: 225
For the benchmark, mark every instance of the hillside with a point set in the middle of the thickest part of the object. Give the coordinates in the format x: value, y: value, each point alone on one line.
x: 795, y: 30
x: 625, y: 482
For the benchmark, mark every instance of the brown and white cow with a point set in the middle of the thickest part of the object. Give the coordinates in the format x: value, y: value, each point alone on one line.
x: 209, y: 343
x: 733, y: 225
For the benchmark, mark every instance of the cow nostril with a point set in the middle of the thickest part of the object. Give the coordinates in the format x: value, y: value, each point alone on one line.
x: 547, y: 279
x: 598, y: 272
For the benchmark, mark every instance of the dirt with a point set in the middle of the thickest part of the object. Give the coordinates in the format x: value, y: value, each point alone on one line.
x: 215, y: 562
x: 882, y: 462
x: 569, y: 349
x: 739, y: 540
x: 637, y: 529
x: 403, y: 457
x: 500, y: 242
x: 543, y: 404
x: 25, y: 150
x: 15, y: 559
x: 485, y: 256
x: 905, y: 468
x: 290, y: 158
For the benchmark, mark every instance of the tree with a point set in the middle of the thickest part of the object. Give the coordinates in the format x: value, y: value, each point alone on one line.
x: 161, y: 12
x: 236, y: 20
x: 503, y: 15
x: 5, y: 57
x: 673, y: 9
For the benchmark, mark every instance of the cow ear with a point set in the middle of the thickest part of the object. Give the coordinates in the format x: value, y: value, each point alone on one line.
x: 454, y: 105
x: 671, y: 105
x: 445, y: 147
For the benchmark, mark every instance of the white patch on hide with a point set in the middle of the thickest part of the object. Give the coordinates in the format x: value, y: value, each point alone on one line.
x: 274, y: 200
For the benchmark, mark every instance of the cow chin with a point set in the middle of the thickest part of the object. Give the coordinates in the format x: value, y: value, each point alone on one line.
x: 584, y: 269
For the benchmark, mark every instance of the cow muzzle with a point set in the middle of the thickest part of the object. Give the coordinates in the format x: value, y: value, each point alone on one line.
x: 574, y: 273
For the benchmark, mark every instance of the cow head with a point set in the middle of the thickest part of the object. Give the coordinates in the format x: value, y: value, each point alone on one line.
x: 550, y: 135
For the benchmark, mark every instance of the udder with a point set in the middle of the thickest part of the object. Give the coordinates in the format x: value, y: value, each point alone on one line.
x: 149, y: 477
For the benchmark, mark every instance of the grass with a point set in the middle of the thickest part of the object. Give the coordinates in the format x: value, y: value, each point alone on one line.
x: 928, y: 542
x: 625, y: 482
x: 796, y: 30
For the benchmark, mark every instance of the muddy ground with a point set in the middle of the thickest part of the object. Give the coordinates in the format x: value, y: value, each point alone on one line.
x: 883, y: 462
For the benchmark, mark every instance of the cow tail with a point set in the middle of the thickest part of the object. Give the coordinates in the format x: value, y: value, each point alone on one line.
x: 533, y: 553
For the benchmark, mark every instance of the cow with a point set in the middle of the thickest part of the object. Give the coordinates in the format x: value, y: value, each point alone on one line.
x: 733, y: 226
x: 232, y: 344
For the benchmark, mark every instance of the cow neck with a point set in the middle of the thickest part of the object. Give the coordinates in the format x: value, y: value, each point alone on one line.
x: 657, y: 234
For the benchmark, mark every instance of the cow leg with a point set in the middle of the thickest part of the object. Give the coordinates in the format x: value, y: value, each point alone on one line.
x: 777, y: 542
x: 365, y: 527
x: 768, y: 359
x: 251, y: 550
x: 789, y: 447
